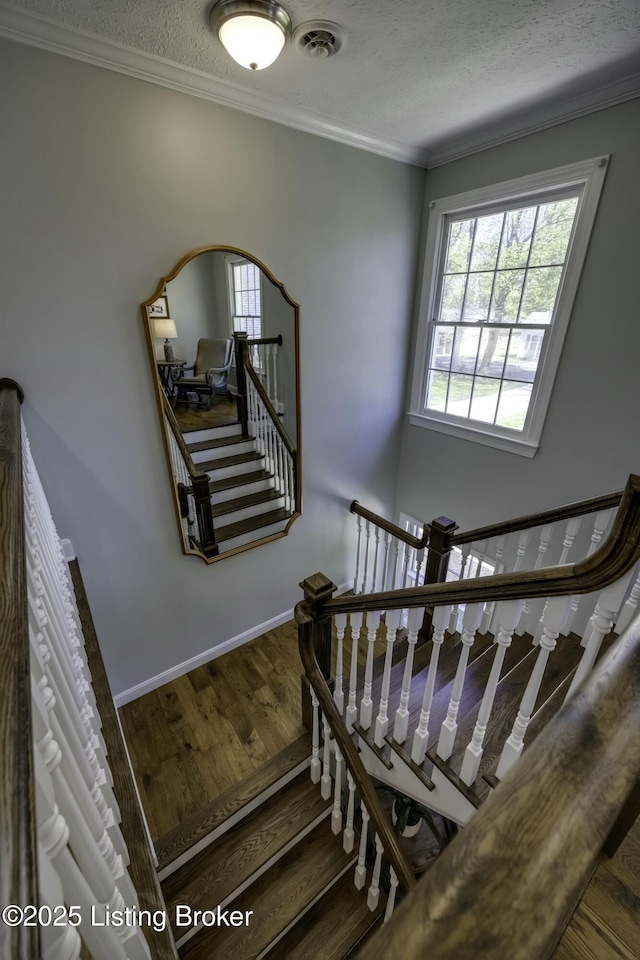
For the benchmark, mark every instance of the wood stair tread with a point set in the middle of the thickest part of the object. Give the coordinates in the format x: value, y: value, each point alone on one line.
x: 332, y: 929
x: 276, y: 898
x: 239, y: 503
x: 219, y: 463
x: 213, y: 875
x: 228, y: 483
x: 218, y: 442
x: 259, y: 784
x: 250, y: 524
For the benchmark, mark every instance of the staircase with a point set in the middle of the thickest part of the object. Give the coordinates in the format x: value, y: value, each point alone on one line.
x: 264, y: 853
x: 245, y: 502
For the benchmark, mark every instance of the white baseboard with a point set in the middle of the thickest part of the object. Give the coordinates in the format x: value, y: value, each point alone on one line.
x: 152, y: 683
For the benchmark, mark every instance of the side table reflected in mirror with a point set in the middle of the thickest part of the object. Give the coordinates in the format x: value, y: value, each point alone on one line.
x: 169, y: 372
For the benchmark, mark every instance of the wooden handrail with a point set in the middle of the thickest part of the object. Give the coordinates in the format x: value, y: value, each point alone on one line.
x: 595, y: 504
x: 614, y: 558
x: 508, y: 884
x: 418, y: 543
x: 18, y: 829
x: 262, y: 393
x: 194, y: 473
x: 260, y: 340
x: 305, y: 620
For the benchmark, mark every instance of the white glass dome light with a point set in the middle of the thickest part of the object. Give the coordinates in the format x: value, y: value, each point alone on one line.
x: 253, y: 32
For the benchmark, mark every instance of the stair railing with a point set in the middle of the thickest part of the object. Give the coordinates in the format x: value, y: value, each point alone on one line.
x: 263, y: 354
x: 193, y: 497
x: 508, y: 884
x: 260, y: 420
x: 429, y: 724
x: 60, y: 836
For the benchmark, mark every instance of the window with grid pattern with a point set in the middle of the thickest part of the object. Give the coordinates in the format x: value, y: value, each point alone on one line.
x: 246, y: 298
x: 500, y: 289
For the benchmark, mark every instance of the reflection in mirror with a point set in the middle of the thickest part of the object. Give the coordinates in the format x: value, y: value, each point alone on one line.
x: 223, y: 342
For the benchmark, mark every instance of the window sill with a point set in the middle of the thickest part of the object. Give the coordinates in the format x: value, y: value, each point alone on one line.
x: 524, y: 448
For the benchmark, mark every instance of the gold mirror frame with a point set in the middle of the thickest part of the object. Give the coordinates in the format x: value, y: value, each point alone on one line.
x: 174, y: 444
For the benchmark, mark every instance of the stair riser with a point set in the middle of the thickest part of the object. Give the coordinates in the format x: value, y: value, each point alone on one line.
x: 212, y: 433
x: 217, y: 453
x: 224, y: 473
x: 234, y: 492
x: 251, y: 537
x: 253, y: 511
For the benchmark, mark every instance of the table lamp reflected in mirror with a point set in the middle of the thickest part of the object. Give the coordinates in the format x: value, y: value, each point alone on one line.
x: 165, y: 327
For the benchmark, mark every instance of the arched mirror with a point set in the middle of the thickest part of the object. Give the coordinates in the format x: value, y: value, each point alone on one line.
x: 223, y: 345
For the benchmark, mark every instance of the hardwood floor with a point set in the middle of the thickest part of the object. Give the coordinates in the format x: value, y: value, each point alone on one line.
x: 193, y: 417
x: 203, y: 733
x: 606, y: 924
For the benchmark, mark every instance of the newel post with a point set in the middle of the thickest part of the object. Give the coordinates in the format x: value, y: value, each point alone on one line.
x: 317, y: 589
x: 204, y: 516
x: 442, y: 529
x: 241, y: 346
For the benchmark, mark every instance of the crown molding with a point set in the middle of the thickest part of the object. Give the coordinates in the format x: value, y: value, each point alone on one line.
x: 46, y: 34
x: 536, y: 119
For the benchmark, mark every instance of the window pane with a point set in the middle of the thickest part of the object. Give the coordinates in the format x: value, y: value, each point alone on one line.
x: 459, y: 395
x: 486, y: 242
x: 516, y: 237
x: 485, y: 399
x: 452, y: 296
x: 465, y: 349
x: 553, y: 230
x: 492, y: 352
x: 459, y: 248
x: 476, y: 303
x: 513, y: 406
x: 540, y: 292
x: 442, y: 344
x: 506, y: 296
x: 437, y: 390
x: 524, y: 353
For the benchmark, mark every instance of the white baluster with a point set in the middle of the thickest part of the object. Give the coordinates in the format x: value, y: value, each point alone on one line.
x: 490, y: 606
x: 358, y: 544
x: 360, y: 875
x: 374, y: 575
x: 373, y: 894
x: 382, y: 720
x: 338, y: 694
x: 526, y: 618
x: 464, y: 557
x: 599, y: 526
x: 396, y: 575
x: 385, y: 566
x: 349, y: 834
x: 600, y: 624
x: 366, y: 704
x: 314, y: 768
x: 628, y: 611
x: 325, y: 783
x: 421, y: 559
x: 351, y: 713
x: 401, y: 724
x: 391, y: 899
x: 449, y: 728
x: 554, y: 616
x: 441, y: 617
x: 276, y: 401
x: 367, y: 538
x: 509, y: 615
x: 573, y: 525
x: 336, y: 814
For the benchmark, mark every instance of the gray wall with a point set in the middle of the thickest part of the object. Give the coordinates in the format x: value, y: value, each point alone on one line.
x: 590, y: 441
x: 107, y: 181
x: 192, y: 304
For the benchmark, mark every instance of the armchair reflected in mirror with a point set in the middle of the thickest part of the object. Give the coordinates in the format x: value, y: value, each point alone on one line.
x: 223, y: 335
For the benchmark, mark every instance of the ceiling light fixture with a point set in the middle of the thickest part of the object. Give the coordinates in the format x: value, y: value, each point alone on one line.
x: 253, y: 32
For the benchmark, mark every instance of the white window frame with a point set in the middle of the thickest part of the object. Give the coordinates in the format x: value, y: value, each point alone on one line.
x: 234, y: 261
x: 588, y: 175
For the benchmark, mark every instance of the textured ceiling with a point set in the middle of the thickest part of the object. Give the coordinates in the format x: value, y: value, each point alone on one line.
x: 422, y: 72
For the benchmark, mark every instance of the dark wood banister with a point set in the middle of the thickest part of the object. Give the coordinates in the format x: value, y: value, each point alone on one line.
x: 262, y: 393
x: 617, y: 554
x: 417, y: 542
x: 508, y: 884
x: 260, y: 340
x: 579, y: 508
x: 175, y: 429
x: 18, y: 830
x: 304, y: 615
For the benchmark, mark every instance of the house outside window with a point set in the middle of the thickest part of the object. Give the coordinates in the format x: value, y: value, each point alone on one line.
x: 245, y: 297
x: 501, y: 272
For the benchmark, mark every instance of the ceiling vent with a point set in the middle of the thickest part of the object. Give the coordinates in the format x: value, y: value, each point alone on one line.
x: 319, y: 39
